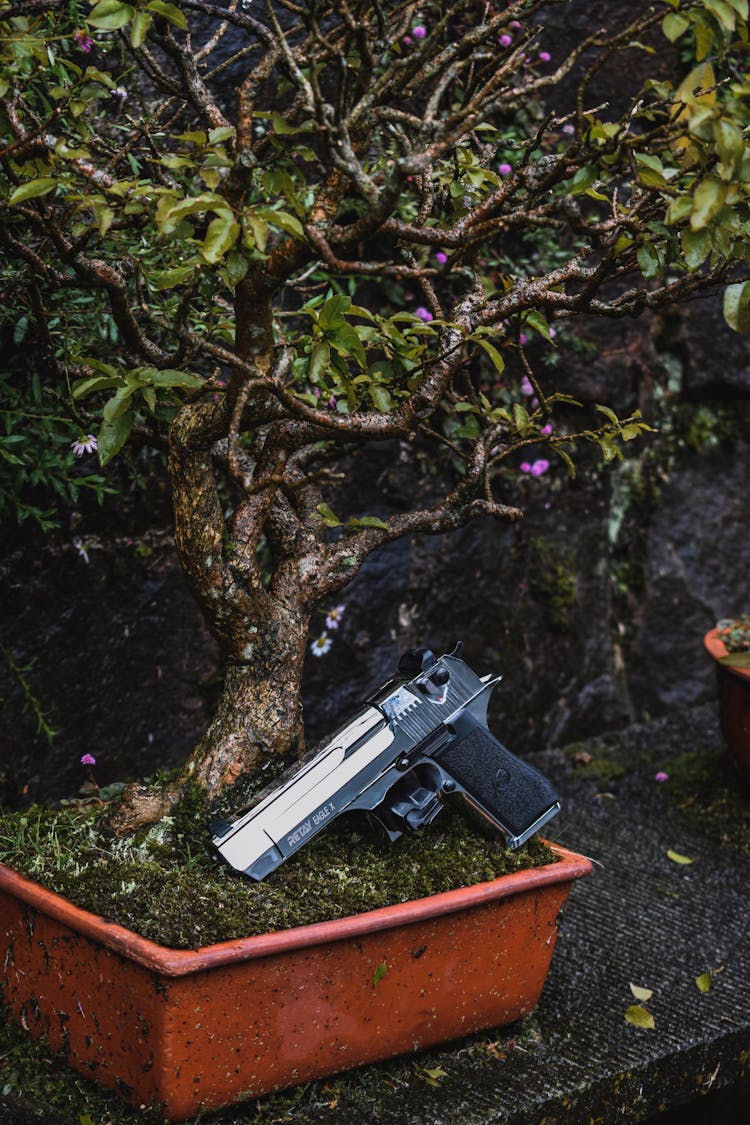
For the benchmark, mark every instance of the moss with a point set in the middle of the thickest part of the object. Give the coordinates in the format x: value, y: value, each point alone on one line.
x: 606, y: 763
x: 704, y: 788
x: 144, y: 883
x: 553, y: 581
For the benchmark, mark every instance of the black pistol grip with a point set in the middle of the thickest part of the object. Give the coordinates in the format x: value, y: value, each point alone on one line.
x: 518, y: 798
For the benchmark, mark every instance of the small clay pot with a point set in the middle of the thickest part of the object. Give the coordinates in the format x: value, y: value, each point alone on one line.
x: 734, y: 704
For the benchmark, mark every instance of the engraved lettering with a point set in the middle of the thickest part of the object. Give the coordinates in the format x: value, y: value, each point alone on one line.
x: 318, y: 817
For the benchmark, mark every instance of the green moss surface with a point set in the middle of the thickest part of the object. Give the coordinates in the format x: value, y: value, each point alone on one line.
x: 705, y: 789
x: 167, y: 885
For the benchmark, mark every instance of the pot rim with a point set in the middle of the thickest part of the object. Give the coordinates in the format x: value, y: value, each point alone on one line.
x: 716, y: 647
x: 181, y: 962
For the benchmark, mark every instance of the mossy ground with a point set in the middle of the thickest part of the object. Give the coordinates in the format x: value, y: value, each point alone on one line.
x: 144, y: 883
x: 705, y: 789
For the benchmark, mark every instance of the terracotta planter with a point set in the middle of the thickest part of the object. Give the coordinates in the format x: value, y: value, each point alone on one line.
x: 734, y: 704
x: 205, y: 1028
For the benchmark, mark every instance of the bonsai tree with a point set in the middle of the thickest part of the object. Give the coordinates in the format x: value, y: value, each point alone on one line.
x: 303, y: 227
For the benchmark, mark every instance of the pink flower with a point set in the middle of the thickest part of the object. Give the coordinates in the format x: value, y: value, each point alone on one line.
x: 423, y: 314
x: 84, y: 40
x: 540, y: 467
x: 505, y: 169
x: 506, y: 40
x: 419, y: 32
x: 441, y: 257
x: 408, y: 40
x: 661, y: 776
x: 523, y: 339
x: 525, y: 466
x: 544, y: 56
x: 547, y: 429
x: 88, y: 760
x: 526, y: 387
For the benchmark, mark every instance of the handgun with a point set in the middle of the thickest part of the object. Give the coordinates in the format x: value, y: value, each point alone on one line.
x: 420, y: 741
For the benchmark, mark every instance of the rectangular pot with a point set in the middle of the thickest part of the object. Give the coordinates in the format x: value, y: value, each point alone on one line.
x: 184, y: 1030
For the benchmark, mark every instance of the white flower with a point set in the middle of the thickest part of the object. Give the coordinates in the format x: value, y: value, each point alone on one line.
x: 321, y: 645
x: 80, y: 546
x: 86, y: 443
x: 334, y: 616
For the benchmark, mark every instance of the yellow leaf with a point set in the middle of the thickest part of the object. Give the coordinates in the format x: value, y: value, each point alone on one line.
x: 640, y: 1017
x: 677, y: 858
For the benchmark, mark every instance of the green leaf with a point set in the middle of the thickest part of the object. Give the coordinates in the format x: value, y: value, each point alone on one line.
x: 565, y: 456
x: 222, y: 233
x: 206, y: 201
x: 676, y: 857
x: 283, y: 128
x: 730, y: 143
x: 117, y: 404
x: 736, y: 660
x: 113, y: 435
x: 381, y: 398
x: 367, y: 521
x: 638, y: 1016
x: 379, y: 973
x: 170, y: 378
x: 140, y: 27
x: 641, y: 993
x: 708, y: 200
x: 696, y: 245
x: 235, y: 268
x: 168, y: 279
x: 320, y: 360
x: 98, y: 383
x: 737, y: 306
x: 170, y: 12
x: 608, y: 412
x: 704, y: 981
x: 328, y: 516
x: 674, y: 25
x: 31, y: 189
x: 497, y: 359
x: 110, y: 15
x: 723, y: 12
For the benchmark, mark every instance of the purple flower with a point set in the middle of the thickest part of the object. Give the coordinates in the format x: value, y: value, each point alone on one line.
x: 441, y: 257
x: 525, y: 466
x: 523, y: 339
x: 84, y: 40
x: 540, y: 467
x: 423, y: 313
x: 661, y: 776
x: 526, y: 387
x: 506, y: 40
x: 408, y: 40
x: 544, y: 56
x: 88, y: 760
x: 419, y: 32
x: 569, y: 129
x: 334, y: 616
x: 86, y: 443
x: 547, y: 429
x: 505, y: 169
